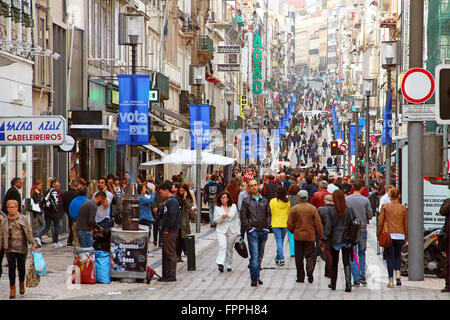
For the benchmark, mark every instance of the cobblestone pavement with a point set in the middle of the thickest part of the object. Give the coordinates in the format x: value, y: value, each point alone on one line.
x: 206, y: 283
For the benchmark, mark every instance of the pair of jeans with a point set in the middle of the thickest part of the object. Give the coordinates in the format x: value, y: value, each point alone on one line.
x: 51, y: 221
x: 279, y: 234
x: 393, y: 254
x: 212, y: 206
x: 157, y: 233
x: 105, y: 224
x: 360, y: 251
x: 85, y: 239
x: 16, y: 260
x: 256, y: 245
x: 147, y: 223
x: 70, y: 221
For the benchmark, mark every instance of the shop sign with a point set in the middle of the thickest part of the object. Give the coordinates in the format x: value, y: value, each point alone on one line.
x: 257, y: 58
x: 28, y: 131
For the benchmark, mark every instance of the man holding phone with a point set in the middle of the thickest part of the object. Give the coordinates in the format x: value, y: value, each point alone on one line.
x: 102, y: 217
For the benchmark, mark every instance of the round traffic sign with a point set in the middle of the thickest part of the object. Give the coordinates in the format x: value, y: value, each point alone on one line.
x: 348, y: 157
x: 344, y: 147
x: 418, y: 85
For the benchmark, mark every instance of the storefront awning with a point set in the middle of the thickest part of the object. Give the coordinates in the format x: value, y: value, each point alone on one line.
x: 155, y: 150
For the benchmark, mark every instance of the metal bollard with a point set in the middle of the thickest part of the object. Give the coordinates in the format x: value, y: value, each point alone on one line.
x: 190, y: 247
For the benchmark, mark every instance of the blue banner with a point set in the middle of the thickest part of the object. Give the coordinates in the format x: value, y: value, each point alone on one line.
x: 352, y: 139
x: 282, y: 128
x: 133, y: 109
x: 387, y: 122
x: 199, y: 125
x: 276, y: 137
x: 259, y: 147
x: 246, y: 144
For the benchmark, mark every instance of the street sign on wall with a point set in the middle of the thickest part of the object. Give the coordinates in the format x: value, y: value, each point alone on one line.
x: 27, y: 131
x: 229, y: 49
x: 229, y: 67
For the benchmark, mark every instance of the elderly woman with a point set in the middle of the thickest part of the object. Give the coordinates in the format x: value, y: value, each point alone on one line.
x: 15, y: 235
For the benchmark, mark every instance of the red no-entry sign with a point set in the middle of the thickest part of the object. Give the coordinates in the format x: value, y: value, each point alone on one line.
x: 418, y: 85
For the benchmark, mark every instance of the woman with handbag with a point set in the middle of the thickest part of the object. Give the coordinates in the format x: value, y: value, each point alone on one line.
x: 15, y: 235
x: 228, y: 228
x: 187, y: 213
x: 393, y: 233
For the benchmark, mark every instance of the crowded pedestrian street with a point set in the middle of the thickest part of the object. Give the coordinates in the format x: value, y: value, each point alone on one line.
x: 224, y: 159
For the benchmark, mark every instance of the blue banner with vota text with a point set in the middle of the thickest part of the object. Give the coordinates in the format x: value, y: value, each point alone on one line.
x: 200, y: 129
x: 133, y: 109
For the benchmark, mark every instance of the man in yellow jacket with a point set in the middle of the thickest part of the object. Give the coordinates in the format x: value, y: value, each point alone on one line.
x: 304, y: 222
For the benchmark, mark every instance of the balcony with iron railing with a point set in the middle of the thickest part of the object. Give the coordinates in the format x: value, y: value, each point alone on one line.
x: 205, y: 49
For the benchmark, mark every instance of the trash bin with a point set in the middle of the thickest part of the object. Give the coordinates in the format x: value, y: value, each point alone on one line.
x: 129, y: 253
x: 130, y: 213
x: 190, y: 247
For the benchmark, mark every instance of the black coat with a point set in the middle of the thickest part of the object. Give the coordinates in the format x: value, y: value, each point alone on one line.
x: 337, y: 228
x: 12, y: 194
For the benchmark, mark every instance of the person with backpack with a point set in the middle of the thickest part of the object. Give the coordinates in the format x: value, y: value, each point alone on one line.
x: 212, y: 189
x: 336, y: 234
x: 363, y: 210
x: 50, y: 206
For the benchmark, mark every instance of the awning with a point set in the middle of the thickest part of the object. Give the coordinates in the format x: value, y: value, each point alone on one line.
x: 171, y: 114
x: 155, y: 150
x: 151, y: 115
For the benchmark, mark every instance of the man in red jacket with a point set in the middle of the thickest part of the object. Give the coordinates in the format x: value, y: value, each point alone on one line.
x: 318, y: 198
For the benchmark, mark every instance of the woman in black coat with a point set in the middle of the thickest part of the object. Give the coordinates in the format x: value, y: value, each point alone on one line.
x: 336, y: 232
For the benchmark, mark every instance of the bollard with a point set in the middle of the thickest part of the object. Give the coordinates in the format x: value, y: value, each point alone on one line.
x: 190, y: 247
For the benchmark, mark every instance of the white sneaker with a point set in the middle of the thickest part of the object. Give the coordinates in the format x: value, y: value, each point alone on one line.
x: 58, y: 245
x: 38, y: 242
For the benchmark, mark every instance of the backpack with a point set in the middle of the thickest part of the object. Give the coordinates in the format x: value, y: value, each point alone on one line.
x: 212, y: 192
x: 354, y: 232
x: 48, y: 203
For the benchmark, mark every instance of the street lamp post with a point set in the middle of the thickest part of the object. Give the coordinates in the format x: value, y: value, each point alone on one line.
x: 389, y: 53
x: 229, y: 95
x: 131, y: 33
x: 369, y: 90
x: 358, y: 105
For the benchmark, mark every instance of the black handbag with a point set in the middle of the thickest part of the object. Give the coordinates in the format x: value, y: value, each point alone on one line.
x: 241, y: 247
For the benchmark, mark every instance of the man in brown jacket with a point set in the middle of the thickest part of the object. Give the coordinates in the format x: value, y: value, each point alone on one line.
x: 304, y: 222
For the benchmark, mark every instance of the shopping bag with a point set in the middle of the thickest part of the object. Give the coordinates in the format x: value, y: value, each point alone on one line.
x: 84, y: 266
x: 241, y: 247
x: 39, y: 263
x: 32, y: 279
x: 102, y: 267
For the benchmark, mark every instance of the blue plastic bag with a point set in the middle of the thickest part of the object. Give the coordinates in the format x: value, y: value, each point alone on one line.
x: 39, y: 263
x: 102, y: 267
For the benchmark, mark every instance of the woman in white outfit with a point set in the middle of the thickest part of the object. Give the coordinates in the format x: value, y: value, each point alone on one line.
x: 226, y: 217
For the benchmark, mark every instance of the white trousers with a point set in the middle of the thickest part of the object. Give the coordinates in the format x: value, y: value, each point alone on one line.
x: 226, y: 246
